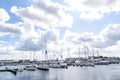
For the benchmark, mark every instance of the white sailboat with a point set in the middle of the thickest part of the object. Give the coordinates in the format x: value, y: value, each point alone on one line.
x: 59, y: 63
x: 87, y: 61
x: 44, y: 66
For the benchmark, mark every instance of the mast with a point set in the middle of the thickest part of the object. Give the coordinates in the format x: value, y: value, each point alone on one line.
x: 45, y: 48
x: 93, y: 53
x: 88, y: 52
x: 98, y: 53
x: 34, y: 56
x: 61, y: 53
x: 85, y: 48
x: 68, y: 51
x: 79, y: 53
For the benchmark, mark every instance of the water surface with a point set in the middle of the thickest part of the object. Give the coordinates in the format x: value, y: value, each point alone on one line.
x: 104, y: 72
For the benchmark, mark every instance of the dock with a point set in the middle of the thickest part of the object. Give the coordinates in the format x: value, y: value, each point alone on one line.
x: 14, y: 71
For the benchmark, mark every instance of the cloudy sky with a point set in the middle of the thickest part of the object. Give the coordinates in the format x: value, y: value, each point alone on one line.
x: 65, y: 28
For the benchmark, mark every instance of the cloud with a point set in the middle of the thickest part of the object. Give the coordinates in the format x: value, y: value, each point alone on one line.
x: 6, y: 29
x: 30, y: 45
x: 42, y: 18
x: 5, y: 49
x: 44, y: 13
x: 108, y: 37
x: 93, y: 9
x: 28, y: 30
x: 107, y: 42
x: 75, y: 41
x: 37, y: 43
x: 4, y: 16
x: 91, y: 15
x: 100, y: 3
x: 112, y: 32
x: 51, y: 36
x: 77, y: 38
x: 47, y: 7
x: 70, y: 36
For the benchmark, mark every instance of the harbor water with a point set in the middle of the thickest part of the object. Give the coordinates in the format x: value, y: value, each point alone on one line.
x: 101, y: 72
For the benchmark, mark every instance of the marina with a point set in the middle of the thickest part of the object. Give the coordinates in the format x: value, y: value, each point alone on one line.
x: 27, y: 65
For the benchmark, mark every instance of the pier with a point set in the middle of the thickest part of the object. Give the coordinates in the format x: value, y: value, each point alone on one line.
x: 14, y: 71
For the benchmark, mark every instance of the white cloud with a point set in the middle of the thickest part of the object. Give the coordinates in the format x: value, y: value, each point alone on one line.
x: 47, y: 7
x: 9, y: 29
x: 94, y: 9
x: 38, y: 43
x: 30, y: 44
x: 28, y: 30
x: 4, y: 48
x: 112, y: 32
x: 42, y: 17
x: 78, y: 38
x: 4, y: 16
x: 75, y: 41
x: 91, y: 15
x: 108, y: 37
x: 44, y: 14
x: 70, y: 36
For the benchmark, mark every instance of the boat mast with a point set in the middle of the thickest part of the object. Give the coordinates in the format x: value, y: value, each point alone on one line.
x: 85, y: 48
x: 79, y: 53
x: 61, y: 54
x: 68, y: 51
x: 45, y: 49
x: 34, y: 56
x: 98, y: 54
x: 93, y: 53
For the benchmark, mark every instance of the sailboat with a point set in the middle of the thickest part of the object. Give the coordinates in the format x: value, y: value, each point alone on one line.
x: 59, y: 63
x: 87, y: 61
x: 44, y: 66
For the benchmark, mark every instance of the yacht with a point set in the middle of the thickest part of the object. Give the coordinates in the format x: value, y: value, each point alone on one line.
x: 44, y: 67
x: 30, y: 68
x: 59, y: 65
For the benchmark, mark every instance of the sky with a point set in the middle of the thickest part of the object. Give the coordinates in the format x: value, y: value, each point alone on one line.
x: 65, y: 28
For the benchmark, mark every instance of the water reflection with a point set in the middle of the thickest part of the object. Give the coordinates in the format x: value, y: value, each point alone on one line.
x: 111, y: 72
